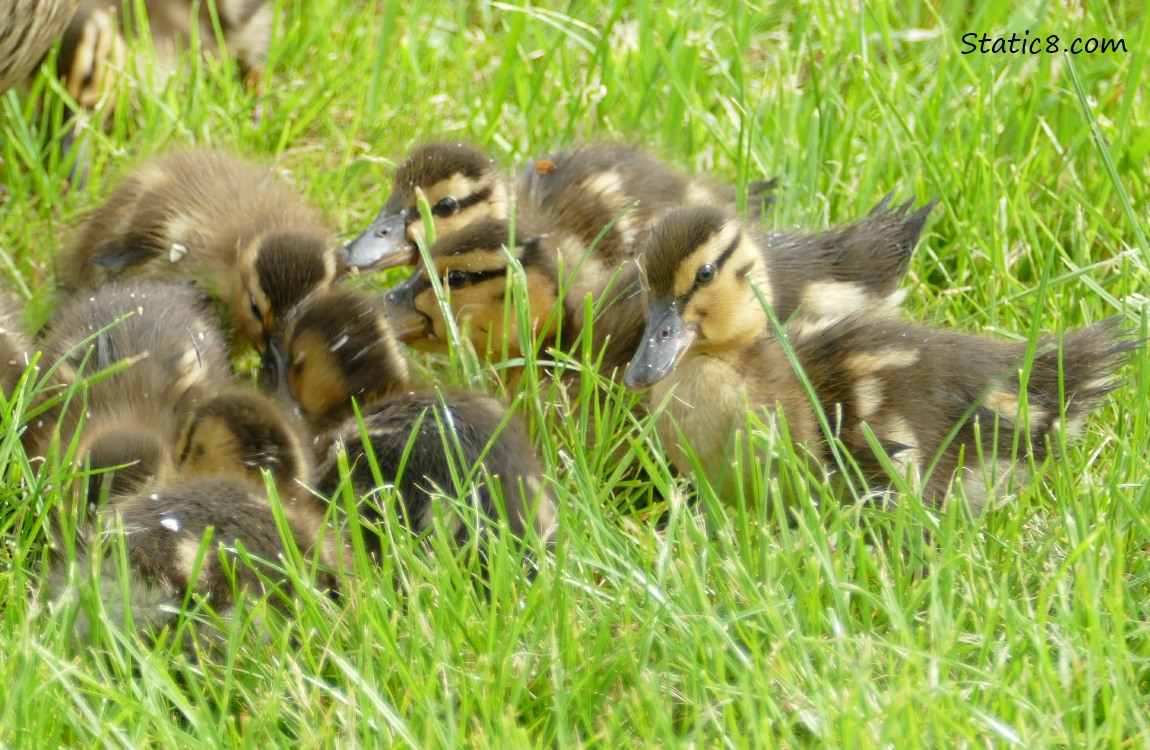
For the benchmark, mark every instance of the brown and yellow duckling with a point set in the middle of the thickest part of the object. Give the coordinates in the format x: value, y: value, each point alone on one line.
x: 210, y: 217
x: 240, y: 433
x: 168, y: 344
x: 707, y: 357
x: 606, y: 196
x: 472, y: 267
x: 184, y: 535
x: 339, y: 346
x: 229, y: 439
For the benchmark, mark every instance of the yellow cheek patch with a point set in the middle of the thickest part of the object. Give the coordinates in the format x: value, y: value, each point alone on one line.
x: 212, y: 449
x: 315, y: 377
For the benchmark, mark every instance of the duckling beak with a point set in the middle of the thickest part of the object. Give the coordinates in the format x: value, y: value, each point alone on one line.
x: 273, y: 368
x: 273, y: 378
x: 382, y: 245
x: 408, y: 322
x: 665, y: 339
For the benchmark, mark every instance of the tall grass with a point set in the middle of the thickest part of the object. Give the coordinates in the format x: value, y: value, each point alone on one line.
x: 692, y: 621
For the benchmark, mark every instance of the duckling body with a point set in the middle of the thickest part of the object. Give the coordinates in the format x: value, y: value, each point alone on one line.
x: 206, y: 216
x: 707, y: 358
x: 605, y: 196
x: 473, y: 269
x: 457, y: 443
x: 168, y: 343
x: 27, y: 30
x: 609, y: 196
x: 175, y: 534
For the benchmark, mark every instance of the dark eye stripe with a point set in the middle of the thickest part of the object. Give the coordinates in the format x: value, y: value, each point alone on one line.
x: 475, y: 277
x: 461, y: 203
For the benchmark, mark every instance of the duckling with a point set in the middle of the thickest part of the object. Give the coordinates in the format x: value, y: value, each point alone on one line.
x: 213, y: 218
x: 27, y: 30
x: 707, y: 357
x: 607, y: 196
x: 165, y: 338
x: 461, y: 445
x: 472, y: 266
x: 240, y: 433
x: 339, y: 346
x: 165, y: 530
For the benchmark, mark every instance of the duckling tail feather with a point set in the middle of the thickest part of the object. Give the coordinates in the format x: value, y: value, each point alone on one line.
x: 1083, y: 370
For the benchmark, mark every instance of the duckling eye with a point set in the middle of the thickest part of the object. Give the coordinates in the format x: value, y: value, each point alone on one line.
x: 256, y: 310
x: 705, y: 274
x: 446, y: 207
x: 455, y: 277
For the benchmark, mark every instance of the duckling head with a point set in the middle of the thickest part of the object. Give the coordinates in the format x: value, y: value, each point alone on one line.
x: 701, y: 269
x: 337, y: 345
x: 238, y: 433
x: 472, y: 267
x: 461, y: 184
x: 276, y: 271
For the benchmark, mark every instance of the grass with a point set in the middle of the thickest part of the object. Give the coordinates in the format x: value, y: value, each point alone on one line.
x: 848, y: 626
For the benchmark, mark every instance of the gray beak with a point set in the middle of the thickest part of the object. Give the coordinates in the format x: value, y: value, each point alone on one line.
x: 273, y: 368
x: 382, y: 245
x: 408, y: 323
x: 273, y: 378
x: 665, y: 339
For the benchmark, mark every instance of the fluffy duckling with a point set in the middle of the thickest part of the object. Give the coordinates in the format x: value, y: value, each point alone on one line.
x: 240, y: 433
x: 27, y: 30
x: 165, y: 339
x: 339, y: 346
x: 606, y: 196
x: 185, y: 534
x: 461, y: 184
x: 229, y: 438
x: 213, y: 218
x: 473, y: 269
x: 707, y: 357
